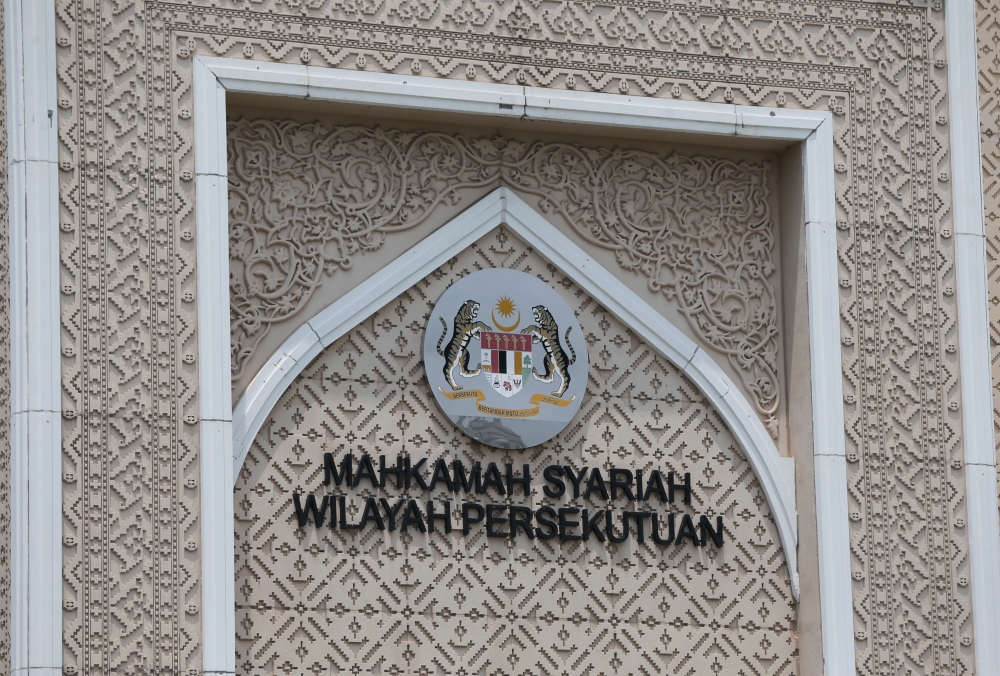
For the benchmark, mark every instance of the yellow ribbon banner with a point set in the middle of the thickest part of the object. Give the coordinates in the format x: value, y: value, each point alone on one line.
x: 479, y: 397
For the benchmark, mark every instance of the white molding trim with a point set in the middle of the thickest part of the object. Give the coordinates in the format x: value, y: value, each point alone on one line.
x: 814, y: 129
x: 973, y: 333
x: 218, y: 586
x: 827, y: 381
x: 36, y: 368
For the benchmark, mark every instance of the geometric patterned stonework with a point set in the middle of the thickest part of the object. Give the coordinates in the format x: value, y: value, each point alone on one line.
x: 322, y: 601
x: 129, y: 315
x: 699, y: 229
x: 5, y: 465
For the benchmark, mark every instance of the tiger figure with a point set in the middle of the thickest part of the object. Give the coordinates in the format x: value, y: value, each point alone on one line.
x: 457, y: 351
x: 546, y: 332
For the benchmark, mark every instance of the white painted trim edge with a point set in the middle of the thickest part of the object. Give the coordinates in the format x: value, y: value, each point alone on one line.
x: 477, y: 98
x: 827, y: 382
x: 36, y: 365
x: 218, y: 592
x: 815, y: 128
x: 973, y: 333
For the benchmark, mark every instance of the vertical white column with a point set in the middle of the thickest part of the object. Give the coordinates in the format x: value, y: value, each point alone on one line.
x: 830, y: 462
x: 36, y: 490
x: 973, y: 333
x: 218, y: 579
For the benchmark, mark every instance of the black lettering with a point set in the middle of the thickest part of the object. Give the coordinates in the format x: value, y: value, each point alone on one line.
x: 524, y: 480
x: 470, y: 483
x: 494, y: 520
x: 552, y: 474
x: 547, y: 523
x: 522, y: 522
x: 621, y: 478
x: 319, y: 514
x: 596, y: 482
x: 467, y: 520
x: 391, y: 512
x: 441, y: 474
x: 365, y: 470
x: 590, y: 525
x: 343, y: 516
x: 638, y: 516
x: 576, y: 479
x: 412, y: 515
x: 330, y: 469
x: 609, y: 527
x: 384, y: 471
x: 655, y: 528
x: 686, y: 486
x: 565, y: 525
x: 371, y: 512
x: 414, y: 473
x: 705, y: 526
x: 687, y: 530
x: 655, y: 485
x: 446, y: 516
x: 492, y: 478
x: 638, y: 483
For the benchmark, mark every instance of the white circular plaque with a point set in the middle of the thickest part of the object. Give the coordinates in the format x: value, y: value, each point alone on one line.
x: 505, y: 358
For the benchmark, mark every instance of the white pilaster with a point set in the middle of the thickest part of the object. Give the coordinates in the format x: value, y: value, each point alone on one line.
x: 218, y: 578
x: 36, y: 490
x: 974, y: 333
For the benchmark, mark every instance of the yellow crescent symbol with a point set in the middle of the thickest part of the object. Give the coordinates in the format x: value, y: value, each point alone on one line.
x: 506, y: 328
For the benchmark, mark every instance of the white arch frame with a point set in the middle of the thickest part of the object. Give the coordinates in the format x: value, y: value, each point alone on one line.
x: 213, y: 77
x: 503, y: 207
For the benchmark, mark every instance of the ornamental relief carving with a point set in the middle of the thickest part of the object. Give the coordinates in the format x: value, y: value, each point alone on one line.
x: 332, y: 600
x: 306, y: 202
x: 130, y: 332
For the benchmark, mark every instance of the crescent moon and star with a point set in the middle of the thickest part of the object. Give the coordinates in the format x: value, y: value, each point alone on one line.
x: 505, y: 307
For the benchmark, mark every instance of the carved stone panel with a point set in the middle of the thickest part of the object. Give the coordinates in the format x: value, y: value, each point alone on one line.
x: 305, y: 202
x: 321, y: 600
x: 5, y: 412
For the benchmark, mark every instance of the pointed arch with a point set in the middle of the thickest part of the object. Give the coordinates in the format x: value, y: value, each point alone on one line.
x: 502, y: 207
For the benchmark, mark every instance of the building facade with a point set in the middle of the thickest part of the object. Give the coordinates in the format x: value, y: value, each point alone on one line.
x: 738, y: 414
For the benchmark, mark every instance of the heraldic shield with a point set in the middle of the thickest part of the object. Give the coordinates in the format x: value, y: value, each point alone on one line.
x: 509, y: 383
x: 505, y: 358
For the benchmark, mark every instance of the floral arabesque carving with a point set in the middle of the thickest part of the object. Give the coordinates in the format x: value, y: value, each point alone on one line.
x: 304, y: 201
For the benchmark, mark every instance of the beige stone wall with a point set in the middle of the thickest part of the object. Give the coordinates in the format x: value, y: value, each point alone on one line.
x: 335, y: 601
x: 130, y: 359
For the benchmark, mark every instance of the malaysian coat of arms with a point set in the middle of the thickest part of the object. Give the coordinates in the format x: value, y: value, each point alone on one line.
x: 511, y: 378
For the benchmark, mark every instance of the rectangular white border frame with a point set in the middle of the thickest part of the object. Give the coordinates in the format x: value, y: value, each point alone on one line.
x: 36, y: 369
x: 815, y: 129
x: 974, y: 333
x: 218, y: 583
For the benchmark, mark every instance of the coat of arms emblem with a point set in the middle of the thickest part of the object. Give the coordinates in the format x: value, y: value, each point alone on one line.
x: 505, y: 358
x: 506, y: 385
